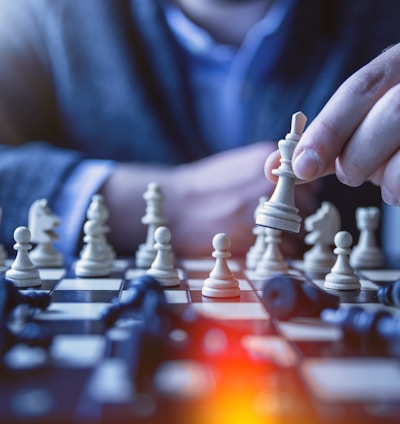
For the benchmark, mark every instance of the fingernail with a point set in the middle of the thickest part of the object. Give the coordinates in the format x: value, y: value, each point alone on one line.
x: 388, y: 197
x: 306, y: 165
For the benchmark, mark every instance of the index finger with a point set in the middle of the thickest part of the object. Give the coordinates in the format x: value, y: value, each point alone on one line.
x: 327, y: 135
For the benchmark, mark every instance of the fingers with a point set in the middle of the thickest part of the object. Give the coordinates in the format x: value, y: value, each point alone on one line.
x: 374, y: 142
x: 387, y: 176
x: 332, y: 130
x: 390, y: 180
x: 272, y: 162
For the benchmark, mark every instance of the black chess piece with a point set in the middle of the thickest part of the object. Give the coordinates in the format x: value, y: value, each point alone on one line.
x: 377, y: 330
x: 31, y: 333
x: 390, y: 294
x: 14, y: 297
x: 286, y: 297
x: 144, y: 299
x: 144, y: 349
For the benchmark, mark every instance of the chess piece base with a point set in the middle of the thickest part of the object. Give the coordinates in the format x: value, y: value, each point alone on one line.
x: 50, y: 261
x: 342, y: 282
x: 367, y: 259
x: 220, y: 288
x: 167, y: 278
x: 21, y: 280
x: 91, y: 269
x: 279, y: 216
x: 265, y: 270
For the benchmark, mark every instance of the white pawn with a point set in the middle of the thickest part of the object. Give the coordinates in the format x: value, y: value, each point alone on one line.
x: 366, y: 254
x: 153, y: 218
x: 97, y: 211
x: 22, y: 272
x: 272, y: 262
x: 342, y: 276
x: 221, y: 282
x: 257, y: 250
x: 93, y: 261
x: 162, y: 268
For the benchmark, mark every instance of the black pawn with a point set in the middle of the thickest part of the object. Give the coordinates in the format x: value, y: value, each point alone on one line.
x: 373, y: 330
x: 390, y: 294
x: 285, y: 297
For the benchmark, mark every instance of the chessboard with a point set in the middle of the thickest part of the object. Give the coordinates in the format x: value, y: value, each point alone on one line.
x: 119, y: 353
x: 157, y: 338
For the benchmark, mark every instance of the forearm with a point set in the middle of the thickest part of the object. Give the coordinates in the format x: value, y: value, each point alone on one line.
x: 216, y: 194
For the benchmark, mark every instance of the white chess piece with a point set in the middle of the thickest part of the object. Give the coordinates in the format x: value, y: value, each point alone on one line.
x: 322, y: 226
x: 162, y: 268
x: 93, y: 262
x: 256, y: 251
x: 366, y: 254
x: 42, y: 223
x: 153, y: 218
x: 279, y: 211
x: 98, y: 211
x: 342, y: 276
x: 221, y: 283
x: 22, y: 272
x: 272, y: 261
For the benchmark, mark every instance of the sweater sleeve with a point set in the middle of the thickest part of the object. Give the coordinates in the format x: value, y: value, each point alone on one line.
x: 29, y: 169
x: 27, y: 173
x: 71, y: 203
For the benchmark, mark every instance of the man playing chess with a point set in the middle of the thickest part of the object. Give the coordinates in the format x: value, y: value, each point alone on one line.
x: 108, y: 96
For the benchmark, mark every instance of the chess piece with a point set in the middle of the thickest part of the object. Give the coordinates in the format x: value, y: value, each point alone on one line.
x: 322, y: 227
x: 98, y: 212
x: 93, y: 262
x: 153, y: 218
x: 280, y: 211
x: 162, y: 267
x: 12, y: 297
x: 3, y: 252
x: 389, y: 294
x: 22, y: 272
x: 285, y: 297
x: 375, y: 330
x: 366, y: 253
x: 342, y: 276
x: 272, y: 261
x: 42, y: 223
x: 256, y: 251
x: 221, y: 283
x: 145, y: 298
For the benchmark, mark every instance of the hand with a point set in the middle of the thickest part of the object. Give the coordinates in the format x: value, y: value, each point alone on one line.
x: 213, y: 195
x: 357, y: 133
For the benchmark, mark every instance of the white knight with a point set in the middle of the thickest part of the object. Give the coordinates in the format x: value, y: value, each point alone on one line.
x: 42, y: 223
